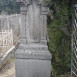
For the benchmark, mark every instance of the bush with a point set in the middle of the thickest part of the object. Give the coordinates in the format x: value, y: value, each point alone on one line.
x: 59, y: 31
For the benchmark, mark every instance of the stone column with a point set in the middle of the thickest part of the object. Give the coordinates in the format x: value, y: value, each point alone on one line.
x: 23, y: 11
x: 33, y: 59
x: 44, y: 11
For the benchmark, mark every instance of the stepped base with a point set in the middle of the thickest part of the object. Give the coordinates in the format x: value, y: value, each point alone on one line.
x: 33, y: 60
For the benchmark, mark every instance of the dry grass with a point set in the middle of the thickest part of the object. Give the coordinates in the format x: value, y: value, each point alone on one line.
x: 8, y: 70
x: 3, y: 50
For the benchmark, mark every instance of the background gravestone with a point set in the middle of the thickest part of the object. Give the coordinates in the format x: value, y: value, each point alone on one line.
x: 32, y: 57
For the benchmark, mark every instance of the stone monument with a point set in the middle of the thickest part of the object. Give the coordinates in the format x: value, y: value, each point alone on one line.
x: 32, y: 59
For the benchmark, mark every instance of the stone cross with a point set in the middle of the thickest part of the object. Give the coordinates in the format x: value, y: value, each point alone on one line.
x: 32, y: 59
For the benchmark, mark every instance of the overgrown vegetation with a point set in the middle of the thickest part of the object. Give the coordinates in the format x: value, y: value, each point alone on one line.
x: 59, y: 30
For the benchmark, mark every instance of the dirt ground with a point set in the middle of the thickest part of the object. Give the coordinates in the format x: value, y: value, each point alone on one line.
x: 8, y: 70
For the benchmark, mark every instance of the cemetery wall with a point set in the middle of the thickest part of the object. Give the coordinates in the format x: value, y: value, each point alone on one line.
x: 11, y: 22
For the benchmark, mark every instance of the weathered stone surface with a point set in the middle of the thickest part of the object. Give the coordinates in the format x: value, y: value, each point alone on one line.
x: 33, y: 51
x: 33, y: 68
x: 33, y: 21
x: 32, y: 57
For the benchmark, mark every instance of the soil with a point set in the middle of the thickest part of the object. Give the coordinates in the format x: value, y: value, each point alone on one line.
x: 8, y: 70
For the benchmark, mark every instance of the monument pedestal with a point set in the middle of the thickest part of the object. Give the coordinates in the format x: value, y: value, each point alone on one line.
x: 33, y: 60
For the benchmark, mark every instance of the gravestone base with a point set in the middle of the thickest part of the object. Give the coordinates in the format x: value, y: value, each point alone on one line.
x: 33, y: 68
x: 33, y: 60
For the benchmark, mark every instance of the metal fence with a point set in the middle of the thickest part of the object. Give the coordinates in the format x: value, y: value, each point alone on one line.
x: 74, y: 44
x: 6, y: 38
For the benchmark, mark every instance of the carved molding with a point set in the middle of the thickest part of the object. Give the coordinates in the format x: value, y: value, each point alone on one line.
x: 28, y: 2
x: 24, y: 3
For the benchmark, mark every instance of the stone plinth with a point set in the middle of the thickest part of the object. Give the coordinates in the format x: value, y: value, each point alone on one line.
x: 33, y: 68
x: 33, y: 51
x: 33, y: 60
x: 32, y: 57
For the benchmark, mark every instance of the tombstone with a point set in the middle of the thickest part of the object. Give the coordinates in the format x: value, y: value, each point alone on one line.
x: 33, y: 59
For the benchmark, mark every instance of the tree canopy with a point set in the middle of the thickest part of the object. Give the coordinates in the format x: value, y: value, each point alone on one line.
x: 10, y: 6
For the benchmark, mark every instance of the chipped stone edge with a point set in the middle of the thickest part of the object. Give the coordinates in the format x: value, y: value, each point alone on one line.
x: 6, y: 56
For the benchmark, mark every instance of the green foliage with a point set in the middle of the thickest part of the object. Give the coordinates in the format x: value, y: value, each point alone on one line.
x: 59, y: 45
x: 59, y: 32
